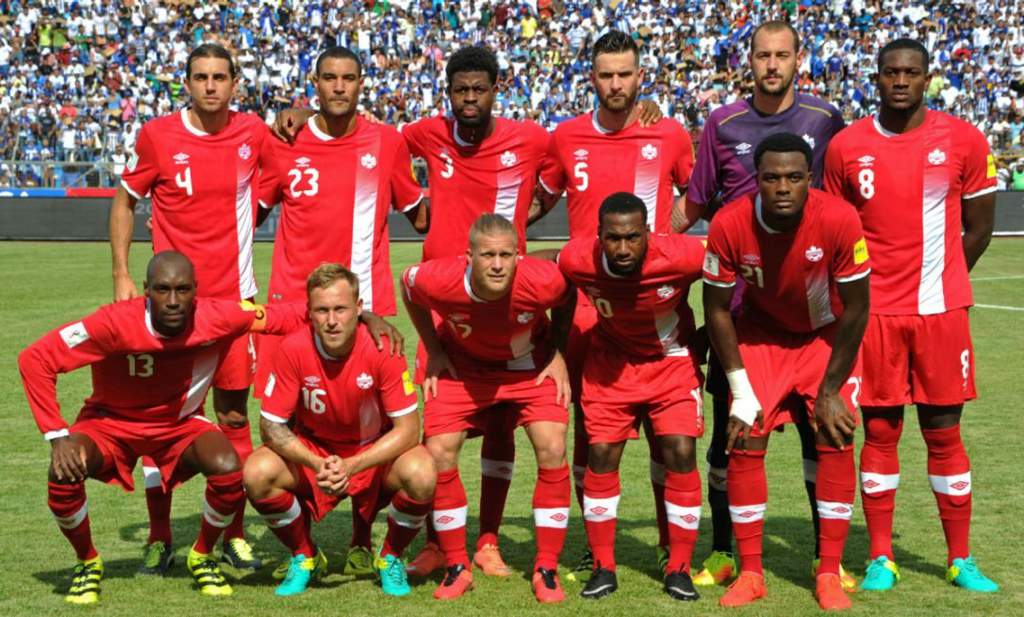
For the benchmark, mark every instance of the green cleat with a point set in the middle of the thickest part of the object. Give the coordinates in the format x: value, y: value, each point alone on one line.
x: 719, y: 567
x: 359, y: 561
x: 85, y: 582
x: 281, y: 571
x: 157, y: 560
x: 393, y: 580
x: 881, y: 575
x: 301, y: 570
x: 238, y: 554
x: 965, y: 573
x: 207, y: 575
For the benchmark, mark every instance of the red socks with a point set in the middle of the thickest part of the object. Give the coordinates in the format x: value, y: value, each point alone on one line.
x: 362, y: 529
x: 497, y: 461
x: 682, y: 507
x: 224, y: 496
x: 879, y: 479
x: 601, y: 492
x: 241, y: 438
x: 835, y: 490
x: 747, y: 488
x: 71, y: 511
x: 949, y: 471
x: 289, y: 521
x: 551, y: 498
x: 449, y: 517
x: 158, y: 503
x: 405, y: 518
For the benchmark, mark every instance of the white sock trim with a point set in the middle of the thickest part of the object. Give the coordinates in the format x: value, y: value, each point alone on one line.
x: 747, y: 514
x: 449, y: 520
x: 215, y: 518
x: 835, y: 510
x: 276, y: 520
x: 404, y: 519
x: 871, y: 483
x: 686, y: 517
x: 957, y: 485
x: 600, y: 509
x: 555, y: 518
x: 73, y: 520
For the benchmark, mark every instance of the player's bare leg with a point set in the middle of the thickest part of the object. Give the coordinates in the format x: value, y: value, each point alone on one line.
x: 580, y: 453
x: 949, y: 471
x: 66, y: 498
x: 747, y: 488
x: 413, y: 479
x: 681, y: 502
x: 879, y: 479
x: 231, y: 408
x: 497, y: 462
x: 449, y: 515
x: 551, y: 498
x: 601, y: 492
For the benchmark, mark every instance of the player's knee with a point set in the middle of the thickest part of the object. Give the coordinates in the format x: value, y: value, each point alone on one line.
x: 259, y: 473
x: 680, y: 453
x: 602, y: 458
x: 550, y: 452
x: 938, y: 417
x: 222, y: 462
x: 444, y: 453
x: 418, y: 473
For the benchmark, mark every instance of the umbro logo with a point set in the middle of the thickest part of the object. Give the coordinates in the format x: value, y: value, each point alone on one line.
x: 580, y: 155
x: 666, y: 291
x: 311, y: 381
x: 181, y: 158
x: 841, y: 510
x: 509, y: 158
x: 364, y: 381
x: 689, y: 518
x: 810, y: 140
x: 559, y: 517
x: 870, y: 484
x: 866, y: 161
x: 649, y: 152
x: 747, y: 514
x: 302, y: 162
x: 959, y: 486
x: 368, y: 161
x: 599, y: 510
x: 743, y: 149
x: 444, y: 520
x: 936, y: 157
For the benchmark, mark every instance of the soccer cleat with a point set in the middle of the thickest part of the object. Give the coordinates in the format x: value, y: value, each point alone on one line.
x: 430, y: 558
x: 237, y: 553
x: 85, y: 582
x: 679, y: 586
x: 281, y: 570
x: 301, y: 570
x: 583, y: 568
x: 457, y: 581
x: 849, y: 581
x: 157, y: 560
x: 359, y: 561
x: 717, y: 568
x: 602, y: 583
x: 207, y: 575
x: 662, y: 553
x: 828, y: 589
x: 393, y: 580
x: 546, y: 587
x: 965, y: 573
x: 488, y: 560
x: 881, y: 575
x: 748, y: 587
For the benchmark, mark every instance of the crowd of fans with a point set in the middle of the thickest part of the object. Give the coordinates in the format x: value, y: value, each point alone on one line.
x: 79, y: 77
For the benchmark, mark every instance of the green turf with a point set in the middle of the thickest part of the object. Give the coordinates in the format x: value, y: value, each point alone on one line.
x: 45, y: 284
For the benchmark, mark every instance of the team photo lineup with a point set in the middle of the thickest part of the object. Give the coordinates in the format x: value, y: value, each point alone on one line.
x: 830, y: 292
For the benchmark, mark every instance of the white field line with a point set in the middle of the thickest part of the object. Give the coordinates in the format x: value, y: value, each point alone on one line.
x: 998, y: 278
x: 1000, y: 307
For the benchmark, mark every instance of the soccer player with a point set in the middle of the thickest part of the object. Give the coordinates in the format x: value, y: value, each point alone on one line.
x: 638, y: 363
x: 153, y: 360
x: 918, y: 178
x: 198, y: 167
x: 803, y: 256
x: 338, y: 419
x: 593, y: 156
x: 336, y: 184
x: 724, y: 172
x: 493, y: 355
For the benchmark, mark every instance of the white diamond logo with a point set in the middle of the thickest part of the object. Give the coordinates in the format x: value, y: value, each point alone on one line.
x: 743, y: 149
x: 302, y: 161
x: 181, y: 158
x: 666, y: 291
x: 580, y: 154
x: 866, y: 161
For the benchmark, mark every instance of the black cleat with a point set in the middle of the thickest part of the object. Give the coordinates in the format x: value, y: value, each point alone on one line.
x: 158, y: 559
x: 679, y: 586
x: 602, y: 583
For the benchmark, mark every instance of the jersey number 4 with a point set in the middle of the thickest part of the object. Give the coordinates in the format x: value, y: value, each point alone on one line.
x: 184, y: 180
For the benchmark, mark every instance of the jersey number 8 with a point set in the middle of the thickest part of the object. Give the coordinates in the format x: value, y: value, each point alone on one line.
x: 866, y: 179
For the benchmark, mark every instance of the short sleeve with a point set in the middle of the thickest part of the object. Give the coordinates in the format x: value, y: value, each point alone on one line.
x: 682, y: 167
x: 142, y: 169
x: 415, y: 136
x: 718, y: 267
x: 834, y: 181
x: 552, y: 173
x: 979, y: 170
x: 414, y: 281
x: 271, y: 190
x: 552, y: 286
x: 406, y: 193
x: 850, y: 260
x: 281, y: 394
x: 704, y: 177
x: 397, y: 392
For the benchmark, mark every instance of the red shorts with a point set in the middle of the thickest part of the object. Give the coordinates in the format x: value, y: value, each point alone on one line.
x: 619, y: 389
x: 583, y: 321
x: 925, y: 359
x: 784, y: 366
x: 367, y: 488
x: 121, y: 442
x: 238, y: 365
x: 476, y: 401
x: 267, y: 345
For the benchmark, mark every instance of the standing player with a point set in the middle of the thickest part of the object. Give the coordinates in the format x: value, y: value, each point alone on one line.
x: 198, y: 166
x: 916, y: 176
x: 724, y: 172
x: 355, y: 434
x: 494, y: 347
x: 153, y: 360
x: 639, y: 363
x: 803, y: 256
x: 593, y: 156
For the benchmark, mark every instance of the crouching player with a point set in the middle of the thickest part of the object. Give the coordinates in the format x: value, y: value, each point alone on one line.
x: 494, y: 354
x: 153, y: 359
x: 804, y: 260
x: 354, y: 433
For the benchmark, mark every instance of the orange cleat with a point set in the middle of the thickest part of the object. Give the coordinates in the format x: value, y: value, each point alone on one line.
x: 747, y: 588
x: 828, y: 588
x: 546, y: 587
x: 488, y: 560
x: 427, y: 561
x: 457, y: 581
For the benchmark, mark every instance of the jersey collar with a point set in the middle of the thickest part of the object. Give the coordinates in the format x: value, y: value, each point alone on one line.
x: 881, y: 129
x: 149, y: 323
x: 469, y: 286
x: 760, y: 218
x: 188, y: 125
x: 597, y: 125
x: 607, y: 270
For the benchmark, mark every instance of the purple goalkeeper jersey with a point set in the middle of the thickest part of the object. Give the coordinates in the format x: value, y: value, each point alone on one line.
x: 725, y: 157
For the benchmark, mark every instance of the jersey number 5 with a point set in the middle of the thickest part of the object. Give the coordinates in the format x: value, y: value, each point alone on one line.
x: 583, y: 179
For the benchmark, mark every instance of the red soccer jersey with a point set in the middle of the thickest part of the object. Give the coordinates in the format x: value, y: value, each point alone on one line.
x: 138, y: 373
x: 335, y: 196
x: 507, y: 334
x: 644, y: 314
x: 201, y: 187
x: 498, y: 176
x: 790, y: 277
x: 591, y: 163
x: 908, y: 189
x: 344, y: 403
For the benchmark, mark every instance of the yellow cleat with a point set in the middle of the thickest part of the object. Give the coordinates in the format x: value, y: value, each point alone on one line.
x: 85, y: 583
x: 848, y: 581
x: 207, y: 575
x: 718, y: 568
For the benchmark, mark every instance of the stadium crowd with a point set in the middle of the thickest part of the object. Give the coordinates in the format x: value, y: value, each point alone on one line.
x: 80, y: 77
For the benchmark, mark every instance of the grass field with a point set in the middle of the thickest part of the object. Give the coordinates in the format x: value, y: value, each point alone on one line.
x: 46, y: 284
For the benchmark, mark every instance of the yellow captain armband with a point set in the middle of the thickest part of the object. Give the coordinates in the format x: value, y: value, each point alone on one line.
x: 407, y: 385
x: 259, y: 322
x: 860, y: 251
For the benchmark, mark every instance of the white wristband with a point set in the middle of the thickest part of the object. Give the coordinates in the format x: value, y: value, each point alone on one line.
x: 745, y: 405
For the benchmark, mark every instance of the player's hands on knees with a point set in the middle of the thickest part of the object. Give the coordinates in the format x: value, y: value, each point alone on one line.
x: 289, y: 122
x: 437, y: 362
x: 379, y: 327
x: 332, y: 477
x: 737, y: 431
x: 67, y: 459
x: 649, y: 113
x: 558, y: 372
x: 834, y: 418
x: 124, y: 288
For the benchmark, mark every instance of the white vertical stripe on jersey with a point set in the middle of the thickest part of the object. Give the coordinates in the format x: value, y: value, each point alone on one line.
x: 522, y: 352
x: 370, y: 424
x: 505, y: 199
x: 819, y: 302
x: 931, y: 298
x: 667, y: 325
x: 244, y: 228
x: 646, y: 181
x: 202, y: 377
x: 364, y: 223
